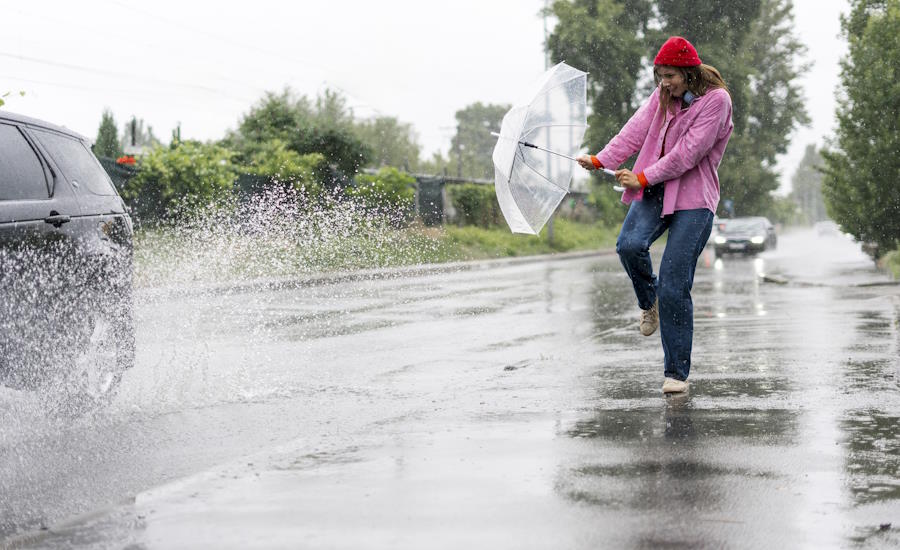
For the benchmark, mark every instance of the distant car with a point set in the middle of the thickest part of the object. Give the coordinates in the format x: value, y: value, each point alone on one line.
x: 744, y: 236
x: 66, y: 316
x: 713, y: 232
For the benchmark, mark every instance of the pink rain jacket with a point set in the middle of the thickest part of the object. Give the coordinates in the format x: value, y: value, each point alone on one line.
x: 695, y: 141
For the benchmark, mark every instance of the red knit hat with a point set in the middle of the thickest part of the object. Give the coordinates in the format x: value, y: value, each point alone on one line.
x: 677, y: 52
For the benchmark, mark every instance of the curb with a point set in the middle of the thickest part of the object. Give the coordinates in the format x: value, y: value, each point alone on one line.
x: 324, y: 279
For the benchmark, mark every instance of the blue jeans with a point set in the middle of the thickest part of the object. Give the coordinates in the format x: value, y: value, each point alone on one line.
x: 688, y: 232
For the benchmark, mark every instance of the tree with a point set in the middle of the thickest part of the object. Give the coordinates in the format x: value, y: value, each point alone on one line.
x: 134, y: 135
x: 107, y: 144
x: 393, y: 143
x: 752, y: 43
x: 607, y: 39
x: 332, y: 112
x: 807, y: 186
x: 277, y: 163
x: 325, y: 128
x: 749, y: 41
x: 473, y: 145
x: 863, y: 167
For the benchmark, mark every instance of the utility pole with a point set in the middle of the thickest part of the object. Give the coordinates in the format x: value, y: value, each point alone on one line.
x: 458, y: 155
x: 547, y: 66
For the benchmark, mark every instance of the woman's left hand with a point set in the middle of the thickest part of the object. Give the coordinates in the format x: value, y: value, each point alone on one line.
x: 627, y: 178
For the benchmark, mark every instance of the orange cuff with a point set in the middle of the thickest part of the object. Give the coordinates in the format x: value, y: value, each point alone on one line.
x: 643, y: 179
x: 596, y: 162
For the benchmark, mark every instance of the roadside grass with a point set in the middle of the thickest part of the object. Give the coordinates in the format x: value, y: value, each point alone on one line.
x: 473, y: 243
x: 891, y: 261
x: 166, y: 256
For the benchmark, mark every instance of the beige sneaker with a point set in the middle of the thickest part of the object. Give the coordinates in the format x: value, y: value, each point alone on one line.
x: 672, y: 385
x: 650, y: 319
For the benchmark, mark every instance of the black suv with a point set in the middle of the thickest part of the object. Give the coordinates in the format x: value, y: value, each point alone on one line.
x: 66, y: 315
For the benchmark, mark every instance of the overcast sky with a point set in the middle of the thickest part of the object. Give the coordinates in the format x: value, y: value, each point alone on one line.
x: 204, y: 65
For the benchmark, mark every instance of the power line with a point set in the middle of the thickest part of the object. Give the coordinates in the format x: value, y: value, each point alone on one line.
x: 117, y: 74
x: 243, y: 46
x: 132, y: 42
x: 77, y: 87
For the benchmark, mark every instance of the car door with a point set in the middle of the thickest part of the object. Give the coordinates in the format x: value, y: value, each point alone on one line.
x: 105, y: 238
x: 36, y: 232
x: 103, y: 224
x: 35, y: 210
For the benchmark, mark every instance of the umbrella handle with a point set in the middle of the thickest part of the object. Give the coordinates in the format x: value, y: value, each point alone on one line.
x: 606, y: 171
x: 613, y: 174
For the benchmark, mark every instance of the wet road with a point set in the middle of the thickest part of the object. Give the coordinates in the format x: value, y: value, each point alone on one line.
x: 500, y: 405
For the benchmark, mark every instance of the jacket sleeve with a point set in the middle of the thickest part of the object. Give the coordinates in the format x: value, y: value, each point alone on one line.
x: 696, y: 142
x: 631, y: 137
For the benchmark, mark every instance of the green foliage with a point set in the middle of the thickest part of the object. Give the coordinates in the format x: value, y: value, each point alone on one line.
x: 860, y: 186
x: 607, y: 201
x: 170, y: 179
x: 475, y: 204
x: 891, y: 261
x: 273, y: 160
x: 768, y: 105
x: 325, y: 128
x: 107, y: 143
x: 7, y: 94
x: 807, y: 187
x: 749, y: 41
x: 392, y: 142
x: 783, y: 210
x: 472, y: 242
x: 472, y: 147
x: 606, y: 38
x: 134, y: 135
x: 390, y: 191
x: 437, y: 165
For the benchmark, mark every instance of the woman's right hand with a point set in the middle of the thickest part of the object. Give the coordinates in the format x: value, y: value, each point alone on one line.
x: 585, y: 162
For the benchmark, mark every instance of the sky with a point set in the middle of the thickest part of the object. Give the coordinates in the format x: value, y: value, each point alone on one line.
x: 204, y: 65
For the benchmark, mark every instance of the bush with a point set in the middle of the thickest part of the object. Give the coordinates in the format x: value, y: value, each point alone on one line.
x: 891, y: 262
x: 475, y: 204
x: 607, y: 202
x: 273, y: 161
x: 389, y: 192
x: 171, y: 178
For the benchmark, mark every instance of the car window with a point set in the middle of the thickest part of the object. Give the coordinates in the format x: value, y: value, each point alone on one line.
x: 21, y: 173
x: 743, y: 226
x: 77, y: 162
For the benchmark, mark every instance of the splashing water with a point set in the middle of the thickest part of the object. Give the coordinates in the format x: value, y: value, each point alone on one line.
x: 65, y: 320
x: 280, y: 234
x: 276, y: 234
x: 205, y: 335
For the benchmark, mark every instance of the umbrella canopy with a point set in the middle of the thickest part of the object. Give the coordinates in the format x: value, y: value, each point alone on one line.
x: 538, y: 139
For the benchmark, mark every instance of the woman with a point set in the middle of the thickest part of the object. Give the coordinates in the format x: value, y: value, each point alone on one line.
x: 680, y: 134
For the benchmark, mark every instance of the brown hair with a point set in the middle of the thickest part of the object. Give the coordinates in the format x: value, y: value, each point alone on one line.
x: 699, y: 80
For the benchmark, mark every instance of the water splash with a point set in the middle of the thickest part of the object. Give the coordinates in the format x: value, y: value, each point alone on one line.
x: 275, y: 234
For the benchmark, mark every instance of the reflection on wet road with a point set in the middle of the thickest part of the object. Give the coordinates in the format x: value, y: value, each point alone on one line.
x: 501, y: 405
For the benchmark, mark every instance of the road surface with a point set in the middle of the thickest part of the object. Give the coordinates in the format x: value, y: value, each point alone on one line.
x: 490, y: 405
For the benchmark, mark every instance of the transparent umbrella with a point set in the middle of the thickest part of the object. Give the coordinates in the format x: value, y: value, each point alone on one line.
x: 535, y: 153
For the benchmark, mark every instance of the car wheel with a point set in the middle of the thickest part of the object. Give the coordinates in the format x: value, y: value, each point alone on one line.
x: 97, y: 364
